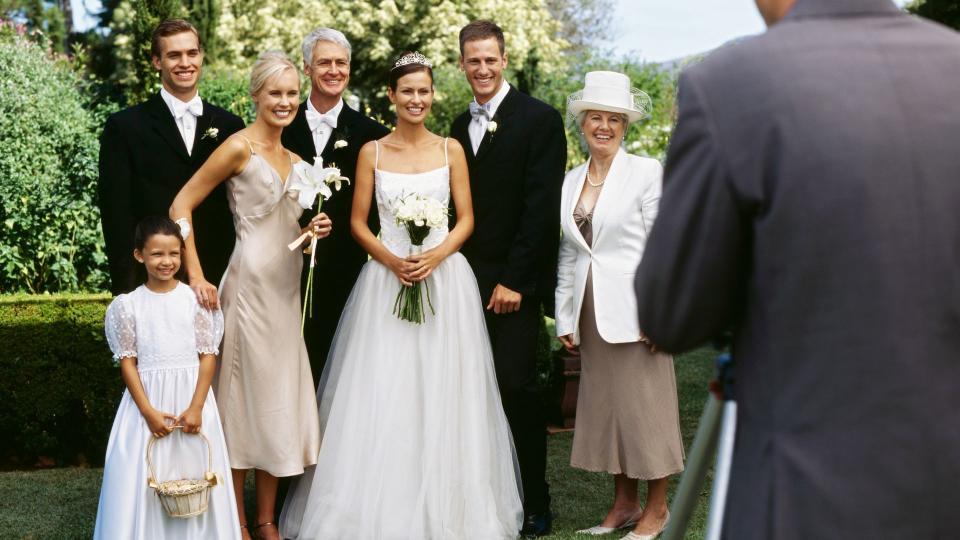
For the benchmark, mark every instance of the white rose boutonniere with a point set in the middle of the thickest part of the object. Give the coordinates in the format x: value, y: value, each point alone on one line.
x: 492, y: 126
x: 210, y: 133
x: 342, y: 143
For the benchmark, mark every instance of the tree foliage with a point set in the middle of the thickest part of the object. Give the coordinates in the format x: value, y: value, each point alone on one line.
x: 50, y: 236
x: 943, y: 11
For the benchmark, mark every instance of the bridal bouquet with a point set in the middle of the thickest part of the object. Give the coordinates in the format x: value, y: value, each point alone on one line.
x: 418, y: 214
x: 312, y: 183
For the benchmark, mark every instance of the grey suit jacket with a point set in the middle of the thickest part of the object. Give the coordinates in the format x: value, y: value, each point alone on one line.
x: 812, y: 203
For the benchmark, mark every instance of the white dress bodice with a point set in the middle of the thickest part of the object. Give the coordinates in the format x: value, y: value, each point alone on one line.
x: 391, y: 187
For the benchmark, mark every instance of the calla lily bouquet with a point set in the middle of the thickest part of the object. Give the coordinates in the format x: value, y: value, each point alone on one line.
x: 419, y: 215
x: 312, y: 183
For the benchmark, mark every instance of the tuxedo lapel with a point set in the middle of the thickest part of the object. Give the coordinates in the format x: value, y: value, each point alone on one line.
x: 165, y: 125
x: 502, y: 117
x: 300, y: 130
x: 343, y: 131
x: 200, y: 138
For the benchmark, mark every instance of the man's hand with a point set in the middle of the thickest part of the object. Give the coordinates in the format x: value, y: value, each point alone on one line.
x: 504, y: 300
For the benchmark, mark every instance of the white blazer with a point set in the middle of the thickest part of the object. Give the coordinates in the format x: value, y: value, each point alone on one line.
x: 622, y: 219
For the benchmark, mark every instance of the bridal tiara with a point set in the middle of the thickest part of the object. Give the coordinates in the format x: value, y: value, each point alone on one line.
x: 413, y: 58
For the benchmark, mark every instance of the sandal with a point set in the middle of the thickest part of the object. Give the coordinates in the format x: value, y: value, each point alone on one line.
x: 264, y: 524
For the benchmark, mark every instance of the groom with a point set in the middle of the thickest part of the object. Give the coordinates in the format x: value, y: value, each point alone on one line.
x: 516, y: 153
x: 325, y: 126
x: 150, y: 150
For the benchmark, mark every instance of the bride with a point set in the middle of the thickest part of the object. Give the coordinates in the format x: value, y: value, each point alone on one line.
x: 415, y: 442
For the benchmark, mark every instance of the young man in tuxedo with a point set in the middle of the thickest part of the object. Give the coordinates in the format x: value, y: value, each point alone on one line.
x: 516, y: 153
x: 150, y: 150
x: 325, y: 126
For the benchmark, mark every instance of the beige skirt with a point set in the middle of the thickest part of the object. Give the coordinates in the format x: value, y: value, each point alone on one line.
x: 627, y: 416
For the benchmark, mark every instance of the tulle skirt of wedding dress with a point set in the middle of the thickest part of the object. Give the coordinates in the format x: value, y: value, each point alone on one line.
x: 415, y: 442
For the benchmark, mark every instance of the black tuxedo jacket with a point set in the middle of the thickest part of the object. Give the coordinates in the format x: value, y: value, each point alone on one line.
x: 143, y: 164
x: 515, y: 180
x: 339, y: 257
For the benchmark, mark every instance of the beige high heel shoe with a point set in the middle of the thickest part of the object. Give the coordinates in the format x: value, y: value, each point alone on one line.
x: 597, y: 530
x: 634, y: 536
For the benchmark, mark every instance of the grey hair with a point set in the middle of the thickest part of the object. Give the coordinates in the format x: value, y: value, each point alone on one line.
x: 268, y: 65
x: 324, y: 34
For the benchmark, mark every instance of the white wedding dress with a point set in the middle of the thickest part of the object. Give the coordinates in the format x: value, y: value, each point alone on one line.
x: 415, y: 442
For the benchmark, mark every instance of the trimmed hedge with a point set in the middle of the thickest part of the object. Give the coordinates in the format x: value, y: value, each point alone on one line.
x: 58, y: 385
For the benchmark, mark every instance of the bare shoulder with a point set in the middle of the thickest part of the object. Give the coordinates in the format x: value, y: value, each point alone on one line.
x: 454, y: 148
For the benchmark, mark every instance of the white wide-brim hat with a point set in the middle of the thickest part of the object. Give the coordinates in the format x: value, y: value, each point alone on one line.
x: 609, y: 91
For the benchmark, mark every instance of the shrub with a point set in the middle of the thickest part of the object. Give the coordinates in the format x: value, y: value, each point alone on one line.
x: 228, y: 89
x: 58, y: 385
x: 50, y: 237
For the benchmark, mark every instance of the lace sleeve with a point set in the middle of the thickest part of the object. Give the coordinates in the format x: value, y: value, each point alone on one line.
x: 208, y: 326
x: 120, y: 327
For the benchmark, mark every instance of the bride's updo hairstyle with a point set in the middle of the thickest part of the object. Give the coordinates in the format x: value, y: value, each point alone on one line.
x: 409, y: 62
x: 268, y: 65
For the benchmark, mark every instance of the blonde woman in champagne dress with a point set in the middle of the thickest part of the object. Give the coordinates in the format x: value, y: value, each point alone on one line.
x: 264, y: 386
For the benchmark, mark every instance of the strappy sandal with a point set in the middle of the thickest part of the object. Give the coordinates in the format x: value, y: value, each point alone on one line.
x: 264, y: 524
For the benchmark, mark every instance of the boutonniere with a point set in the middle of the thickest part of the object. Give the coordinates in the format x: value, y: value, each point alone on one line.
x: 210, y: 133
x: 341, y: 136
x: 492, y: 126
x: 340, y: 143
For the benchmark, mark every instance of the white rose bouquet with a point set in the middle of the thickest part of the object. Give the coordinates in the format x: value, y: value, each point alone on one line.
x: 312, y: 183
x: 418, y: 214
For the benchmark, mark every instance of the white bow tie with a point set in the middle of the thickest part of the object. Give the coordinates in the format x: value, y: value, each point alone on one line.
x: 315, y: 120
x: 194, y: 107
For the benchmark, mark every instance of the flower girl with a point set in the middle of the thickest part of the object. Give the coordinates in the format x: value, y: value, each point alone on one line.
x: 166, y: 345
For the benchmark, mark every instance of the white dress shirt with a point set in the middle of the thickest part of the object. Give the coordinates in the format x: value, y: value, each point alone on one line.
x: 322, y: 124
x: 478, y: 126
x: 185, y: 114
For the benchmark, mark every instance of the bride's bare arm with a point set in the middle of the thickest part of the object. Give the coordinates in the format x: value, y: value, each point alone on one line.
x: 360, y: 211
x: 425, y: 263
x: 226, y: 161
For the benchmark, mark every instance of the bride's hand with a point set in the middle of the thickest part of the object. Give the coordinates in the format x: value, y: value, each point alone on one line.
x: 206, y: 293
x: 321, y: 225
x: 401, y: 269
x: 423, y: 265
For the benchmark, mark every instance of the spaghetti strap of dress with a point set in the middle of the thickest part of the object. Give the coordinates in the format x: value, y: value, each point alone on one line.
x: 376, y: 160
x: 249, y: 143
x: 446, y: 156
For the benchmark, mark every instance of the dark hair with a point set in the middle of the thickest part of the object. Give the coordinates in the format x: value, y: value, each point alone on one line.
x: 169, y: 28
x: 398, y: 72
x: 482, y: 29
x: 154, y: 225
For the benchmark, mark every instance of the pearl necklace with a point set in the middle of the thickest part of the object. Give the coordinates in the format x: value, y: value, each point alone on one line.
x: 598, y: 184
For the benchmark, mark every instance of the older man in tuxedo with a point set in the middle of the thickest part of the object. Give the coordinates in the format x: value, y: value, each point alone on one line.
x: 325, y: 126
x: 812, y: 202
x: 150, y: 150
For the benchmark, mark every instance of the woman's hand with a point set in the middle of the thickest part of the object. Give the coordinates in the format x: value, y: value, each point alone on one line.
x: 401, y: 268
x: 568, y: 344
x: 422, y: 265
x: 206, y: 293
x: 191, y: 419
x: 157, y: 422
x: 320, y: 225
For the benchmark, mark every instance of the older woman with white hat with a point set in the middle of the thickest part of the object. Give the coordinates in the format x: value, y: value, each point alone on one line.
x: 627, y: 418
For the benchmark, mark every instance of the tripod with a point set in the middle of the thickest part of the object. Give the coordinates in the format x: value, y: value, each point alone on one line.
x: 715, y: 433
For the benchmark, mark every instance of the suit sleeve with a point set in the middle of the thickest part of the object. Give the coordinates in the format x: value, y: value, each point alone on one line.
x: 539, y: 229
x: 116, y: 212
x: 692, y: 275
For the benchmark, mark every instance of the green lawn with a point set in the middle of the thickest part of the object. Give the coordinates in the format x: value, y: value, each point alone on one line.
x: 62, y: 503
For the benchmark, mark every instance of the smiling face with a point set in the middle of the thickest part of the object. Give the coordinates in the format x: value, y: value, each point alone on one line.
x: 603, y: 132
x: 329, y: 70
x: 483, y: 62
x: 413, y: 96
x: 179, y: 63
x: 161, y: 257
x: 278, y: 99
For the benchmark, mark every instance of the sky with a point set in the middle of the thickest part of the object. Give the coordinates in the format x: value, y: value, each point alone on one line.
x: 662, y: 30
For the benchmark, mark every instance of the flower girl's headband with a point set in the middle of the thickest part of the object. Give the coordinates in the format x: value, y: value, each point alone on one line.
x: 413, y: 58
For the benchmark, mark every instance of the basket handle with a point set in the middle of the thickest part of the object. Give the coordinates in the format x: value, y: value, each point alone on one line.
x: 152, y: 480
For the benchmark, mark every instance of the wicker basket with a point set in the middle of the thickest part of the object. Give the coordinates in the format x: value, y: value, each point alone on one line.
x: 183, y: 498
